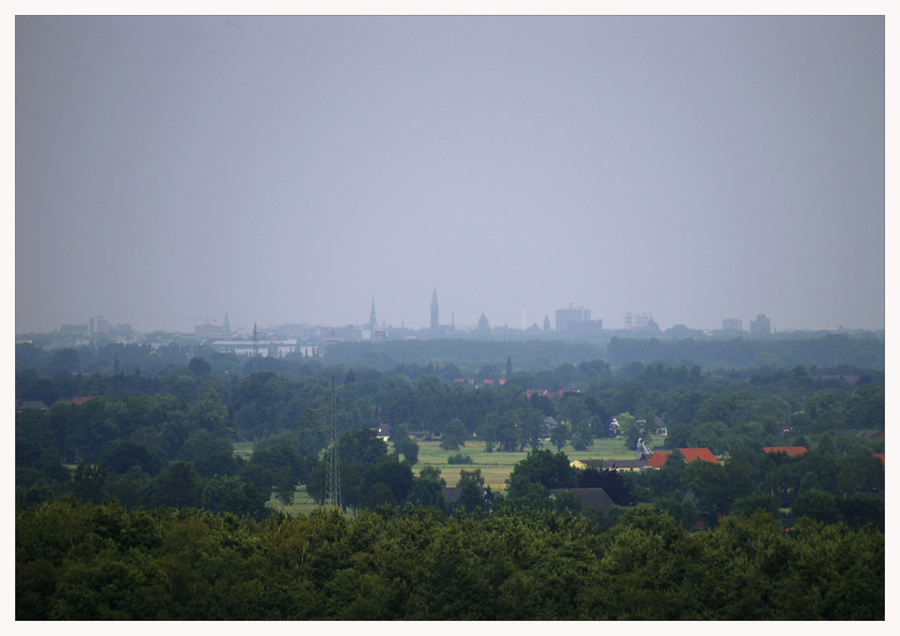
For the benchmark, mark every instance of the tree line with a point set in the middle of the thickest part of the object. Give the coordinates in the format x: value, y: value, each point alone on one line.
x: 460, y: 357
x: 194, y: 415
x: 77, y: 561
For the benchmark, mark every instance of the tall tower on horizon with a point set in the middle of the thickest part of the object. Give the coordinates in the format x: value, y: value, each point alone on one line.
x: 434, y: 309
x: 372, y: 322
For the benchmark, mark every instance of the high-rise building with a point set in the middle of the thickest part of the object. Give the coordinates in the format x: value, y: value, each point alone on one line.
x: 572, y: 314
x: 761, y: 326
x: 99, y: 325
x: 640, y: 321
x: 732, y: 324
x: 637, y: 320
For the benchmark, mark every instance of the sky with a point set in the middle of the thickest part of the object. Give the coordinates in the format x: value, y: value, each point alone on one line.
x: 284, y: 170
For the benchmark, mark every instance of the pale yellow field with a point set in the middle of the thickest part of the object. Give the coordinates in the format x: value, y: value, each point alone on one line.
x: 495, y: 467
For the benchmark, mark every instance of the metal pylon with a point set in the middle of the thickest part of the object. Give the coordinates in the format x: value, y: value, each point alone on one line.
x: 333, y: 482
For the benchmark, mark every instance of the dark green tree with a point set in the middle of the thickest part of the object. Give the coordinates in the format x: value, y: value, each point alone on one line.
x: 120, y: 455
x: 427, y: 489
x: 818, y: 505
x: 473, y: 494
x: 559, y: 435
x: 454, y: 435
x: 489, y: 430
x: 88, y: 482
x: 200, y: 367
x: 582, y: 435
x: 391, y: 472
x: 283, y: 481
x: 178, y: 486
x: 609, y: 480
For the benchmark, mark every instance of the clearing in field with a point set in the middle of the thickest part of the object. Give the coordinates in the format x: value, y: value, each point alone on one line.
x: 495, y: 467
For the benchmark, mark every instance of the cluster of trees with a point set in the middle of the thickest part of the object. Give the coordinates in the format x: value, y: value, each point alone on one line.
x: 156, y: 450
x: 78, y: 561
x: 820, y: 484
x: 193, y: 414
x: 865, y: 349
x: 457, y: 358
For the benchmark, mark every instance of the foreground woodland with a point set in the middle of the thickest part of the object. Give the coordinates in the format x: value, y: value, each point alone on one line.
x: 78, y: 561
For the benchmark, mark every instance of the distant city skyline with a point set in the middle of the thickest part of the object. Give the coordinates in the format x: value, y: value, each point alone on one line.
x: 288, y: 169
x: 628, y: 320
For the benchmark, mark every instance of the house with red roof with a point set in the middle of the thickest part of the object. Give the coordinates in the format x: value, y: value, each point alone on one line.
x: 81, y: 399
x: 690, y: 454
x: 879, y: 456
x: 790, y: 451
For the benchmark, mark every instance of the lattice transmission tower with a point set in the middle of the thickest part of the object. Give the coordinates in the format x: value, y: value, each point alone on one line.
x: 333, y: 496
x: 255, y: 348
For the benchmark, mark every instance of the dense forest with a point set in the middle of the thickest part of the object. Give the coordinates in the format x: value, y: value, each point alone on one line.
x: 128, y: 454
x: 84, y: 562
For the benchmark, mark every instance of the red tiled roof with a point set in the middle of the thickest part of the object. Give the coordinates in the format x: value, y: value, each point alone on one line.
x: 880, y: 456
x: 81, y: 399
x: 703, y: 454
x: 657, y: 460
x: 790, y: 451
x: 690, y: 454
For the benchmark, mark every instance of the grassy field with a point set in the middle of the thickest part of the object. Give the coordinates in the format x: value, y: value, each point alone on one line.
x: 495, y: 467
x: 303, y: 503
x: 243, y: 449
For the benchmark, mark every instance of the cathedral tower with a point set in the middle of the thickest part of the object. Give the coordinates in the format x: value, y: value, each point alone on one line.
x: 434, y: 310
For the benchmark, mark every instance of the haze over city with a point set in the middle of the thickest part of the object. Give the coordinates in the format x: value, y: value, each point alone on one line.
x: 290, y: 169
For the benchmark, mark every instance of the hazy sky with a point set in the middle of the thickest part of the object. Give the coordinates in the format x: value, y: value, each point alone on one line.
x: 288, y: 169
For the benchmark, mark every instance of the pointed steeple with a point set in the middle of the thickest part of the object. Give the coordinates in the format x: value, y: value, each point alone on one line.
x: 372, y: 321
x: 434, y: 309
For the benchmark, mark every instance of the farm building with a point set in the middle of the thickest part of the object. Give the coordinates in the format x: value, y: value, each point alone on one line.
x: 690, y: 454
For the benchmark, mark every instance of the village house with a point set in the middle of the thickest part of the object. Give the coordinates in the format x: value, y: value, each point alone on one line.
x: 690, y: 454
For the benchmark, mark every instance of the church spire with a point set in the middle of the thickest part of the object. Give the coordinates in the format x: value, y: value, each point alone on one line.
x: 372, y: 321
x: 434, y: 309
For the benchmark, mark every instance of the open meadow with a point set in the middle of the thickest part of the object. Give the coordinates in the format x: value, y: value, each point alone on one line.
x: 495, y: 467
